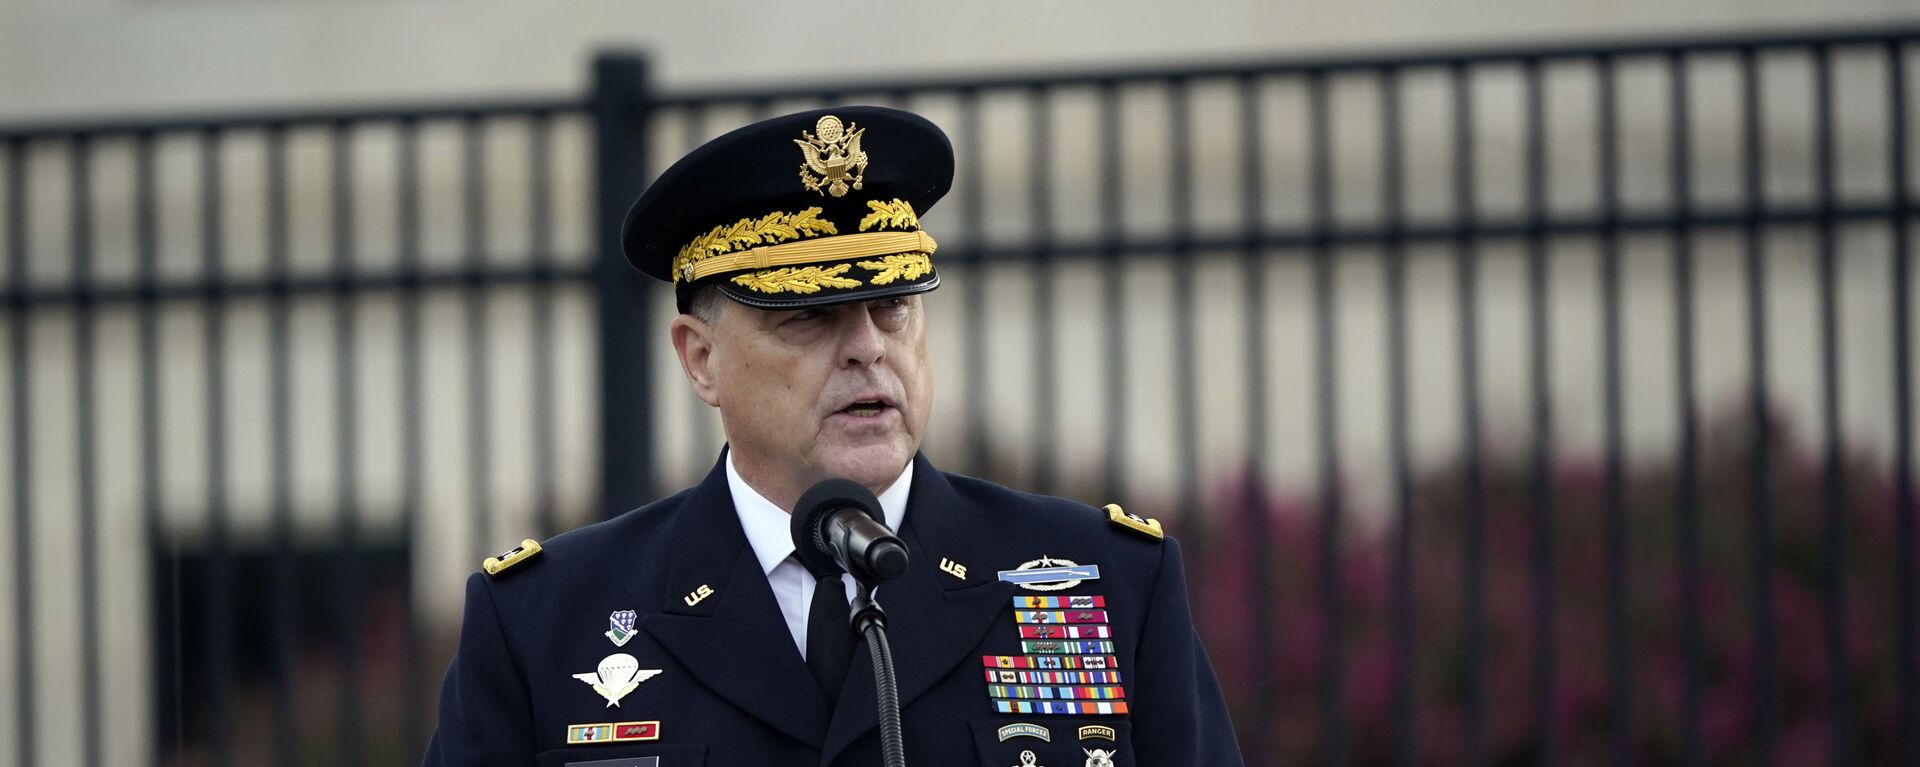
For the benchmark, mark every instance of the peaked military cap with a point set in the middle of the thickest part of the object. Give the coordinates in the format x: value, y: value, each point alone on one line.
x: 810, y: 209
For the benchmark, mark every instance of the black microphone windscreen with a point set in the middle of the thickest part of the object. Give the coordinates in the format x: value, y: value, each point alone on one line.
x: 817, y: 502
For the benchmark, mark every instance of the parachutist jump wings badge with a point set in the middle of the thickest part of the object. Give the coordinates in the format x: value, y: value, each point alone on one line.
x: 833, y: 157
x: 618, y: 674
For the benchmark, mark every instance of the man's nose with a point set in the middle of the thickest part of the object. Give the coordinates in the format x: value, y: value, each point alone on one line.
x: 861, y: 340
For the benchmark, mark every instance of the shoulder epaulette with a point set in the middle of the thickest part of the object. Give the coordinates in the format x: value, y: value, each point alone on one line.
x: 516, y: 555
x: 1134, y: 522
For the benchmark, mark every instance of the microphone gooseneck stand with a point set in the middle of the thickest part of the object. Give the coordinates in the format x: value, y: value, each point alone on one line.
x: 870, y: 622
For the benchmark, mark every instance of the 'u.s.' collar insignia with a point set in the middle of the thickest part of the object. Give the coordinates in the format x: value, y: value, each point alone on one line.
x: 620, y: 625
x: 618, y: 674
x: 1050, y: 574
x: 513, y: 556
x: 833, y: 157
x: 1139, y: 524
x: 612, y: 732
x: 1024, y: 730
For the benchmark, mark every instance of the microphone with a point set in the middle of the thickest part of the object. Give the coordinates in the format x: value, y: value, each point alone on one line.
x: 837, y: 525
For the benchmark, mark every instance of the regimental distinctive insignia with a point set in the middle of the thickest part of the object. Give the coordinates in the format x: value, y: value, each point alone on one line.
x: 1027, y: 759
x: 1024, y: 730
x: 620, y: 627
x: 834, y: 162
x: 618, y: 674
x: 1092, y: 731
x: 1050, y: 574
x: 612, y: 732
x: 1100, y: 757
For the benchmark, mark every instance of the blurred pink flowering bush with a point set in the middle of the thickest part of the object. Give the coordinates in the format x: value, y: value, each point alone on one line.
x: 1222, y: 567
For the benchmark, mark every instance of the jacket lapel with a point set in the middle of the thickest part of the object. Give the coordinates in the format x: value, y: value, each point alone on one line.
x: 935, y: 617
x: 723, y: 637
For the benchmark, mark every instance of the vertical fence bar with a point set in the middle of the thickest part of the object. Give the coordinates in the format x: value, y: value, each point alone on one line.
x: 346, y: 407
x: 1333, y: 703
x: 1619, y: 680
x: 1253, y: 283
x: 540, y: 241
x: 412, y: 419
x: 1540, y: 404
x: 146, y: 245
x: 1393, y: 213
x: 699, y: 420
x: 18, y: 338
x: 217, y: 585
x: 1467, y: 293
x: 1185, y: 338
x: 1760, y: 477
x: 1833, y: 479
x: 1692, y: 641
x: 89, y: 511
x: 1907, y: 608
x: 480, y: 391
x: 974, y: 295
x: 280, y: 305
x: 621, y: 115
x: 1115, y: 286
x: 1045, y: 293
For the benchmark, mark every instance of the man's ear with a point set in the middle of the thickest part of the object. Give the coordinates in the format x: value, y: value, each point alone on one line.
x: 693, y: 341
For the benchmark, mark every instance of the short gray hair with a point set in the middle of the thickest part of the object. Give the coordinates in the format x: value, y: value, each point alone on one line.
x: 707, y: 304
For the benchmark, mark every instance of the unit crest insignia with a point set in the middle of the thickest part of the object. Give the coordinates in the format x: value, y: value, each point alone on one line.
x: 834, y: 162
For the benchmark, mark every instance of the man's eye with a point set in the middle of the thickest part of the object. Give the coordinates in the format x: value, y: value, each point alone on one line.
x: 804, y: 315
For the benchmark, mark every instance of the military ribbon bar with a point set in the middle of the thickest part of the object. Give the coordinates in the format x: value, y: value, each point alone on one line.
x: 1045, y: 692
x: 1057, y: 647
x: 1059, y: 707
x: 1071, y: 631
x: 1004, y: 676
x: 612, y: 732
x: 1059, y: 603
x: 1050, y: 661
x: 1060, y: 616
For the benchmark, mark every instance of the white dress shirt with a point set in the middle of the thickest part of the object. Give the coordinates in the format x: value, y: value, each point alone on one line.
x: 770, y: 533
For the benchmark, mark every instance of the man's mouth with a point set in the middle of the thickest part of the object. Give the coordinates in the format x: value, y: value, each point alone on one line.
x: 865, y: 408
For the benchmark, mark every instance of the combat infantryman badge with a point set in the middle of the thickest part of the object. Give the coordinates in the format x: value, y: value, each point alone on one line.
x: 833, y: 157
x: 621, y: 623
x: 1049, y: 574
x: 618, y: 674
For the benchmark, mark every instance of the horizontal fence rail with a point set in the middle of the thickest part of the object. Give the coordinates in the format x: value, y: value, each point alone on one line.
x: 1516, y: 405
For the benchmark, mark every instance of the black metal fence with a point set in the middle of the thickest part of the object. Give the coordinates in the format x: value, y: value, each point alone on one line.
x: 1470, y: 318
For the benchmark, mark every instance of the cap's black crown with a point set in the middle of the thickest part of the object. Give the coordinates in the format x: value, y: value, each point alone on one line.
x: 809, y: 209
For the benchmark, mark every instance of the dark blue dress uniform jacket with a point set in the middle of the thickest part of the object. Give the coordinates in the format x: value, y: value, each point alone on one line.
x: 734, y: 688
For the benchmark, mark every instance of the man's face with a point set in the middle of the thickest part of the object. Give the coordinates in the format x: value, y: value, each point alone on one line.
x: 840, y: 391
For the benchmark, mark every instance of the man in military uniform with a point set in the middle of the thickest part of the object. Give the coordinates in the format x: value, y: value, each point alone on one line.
x: 1027, y: 631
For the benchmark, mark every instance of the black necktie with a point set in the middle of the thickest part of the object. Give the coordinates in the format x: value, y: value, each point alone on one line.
x: 829, y: 634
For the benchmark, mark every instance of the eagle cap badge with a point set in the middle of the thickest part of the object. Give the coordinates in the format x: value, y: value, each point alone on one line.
x: 834, y: 162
